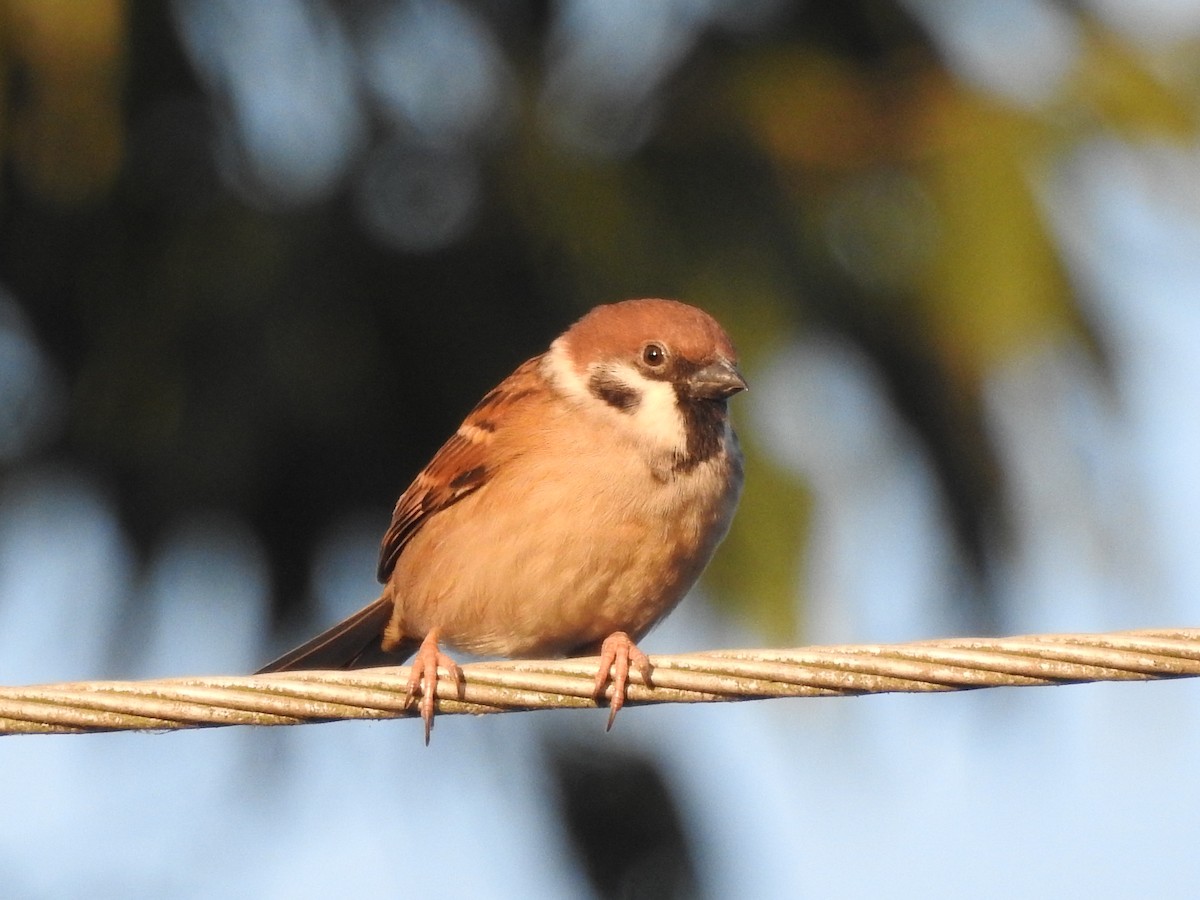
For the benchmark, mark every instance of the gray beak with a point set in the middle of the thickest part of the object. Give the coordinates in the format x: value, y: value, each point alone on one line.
x: 716, y: 381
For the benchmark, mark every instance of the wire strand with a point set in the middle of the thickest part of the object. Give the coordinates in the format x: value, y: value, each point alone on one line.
x: 296, y: 698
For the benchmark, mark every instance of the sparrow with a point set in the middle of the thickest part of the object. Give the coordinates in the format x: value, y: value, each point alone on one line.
x: 568, y: 514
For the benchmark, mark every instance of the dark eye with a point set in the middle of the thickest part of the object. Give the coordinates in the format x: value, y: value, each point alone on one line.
x: 654, y: 355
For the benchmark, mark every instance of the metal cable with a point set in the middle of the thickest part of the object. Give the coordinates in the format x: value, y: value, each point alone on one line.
x: 295, y: 698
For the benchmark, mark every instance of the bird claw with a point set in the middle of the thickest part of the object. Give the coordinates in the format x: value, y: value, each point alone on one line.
x: 618, y: 653
x: 423, y: 679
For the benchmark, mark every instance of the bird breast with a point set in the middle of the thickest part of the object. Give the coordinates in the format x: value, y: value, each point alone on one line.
x: 566, y: 544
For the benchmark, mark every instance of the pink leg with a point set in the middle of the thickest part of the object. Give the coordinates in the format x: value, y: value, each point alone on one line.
x: 424, y: 678
x: 619, y: 652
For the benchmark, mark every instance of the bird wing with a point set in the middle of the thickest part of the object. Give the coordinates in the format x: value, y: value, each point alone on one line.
x: 463, y: 465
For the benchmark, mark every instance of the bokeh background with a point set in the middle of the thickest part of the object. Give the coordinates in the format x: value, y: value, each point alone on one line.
x: 257, y: 259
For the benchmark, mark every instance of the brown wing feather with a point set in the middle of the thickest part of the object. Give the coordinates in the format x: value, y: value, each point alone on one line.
x: 462, y: 466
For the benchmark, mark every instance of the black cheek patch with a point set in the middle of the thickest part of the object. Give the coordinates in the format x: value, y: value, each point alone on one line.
x: 614, y: 392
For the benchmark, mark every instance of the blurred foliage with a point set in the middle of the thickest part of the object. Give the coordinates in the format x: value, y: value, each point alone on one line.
x: 65, y: 72
x: 789, y: 167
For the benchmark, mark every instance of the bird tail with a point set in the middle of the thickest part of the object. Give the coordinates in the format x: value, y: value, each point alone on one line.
x: 351, y: 643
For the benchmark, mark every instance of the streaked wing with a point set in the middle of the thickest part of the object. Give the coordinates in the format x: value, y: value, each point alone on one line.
x: 463, y: 465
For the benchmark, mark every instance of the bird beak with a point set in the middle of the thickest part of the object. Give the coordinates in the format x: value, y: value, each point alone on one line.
x: 717, y: 381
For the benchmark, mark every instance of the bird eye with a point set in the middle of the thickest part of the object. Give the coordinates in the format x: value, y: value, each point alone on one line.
x: 654, y: 355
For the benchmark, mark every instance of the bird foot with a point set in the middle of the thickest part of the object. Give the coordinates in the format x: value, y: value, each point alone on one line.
x: 618, y: 653
x: 424, y: 678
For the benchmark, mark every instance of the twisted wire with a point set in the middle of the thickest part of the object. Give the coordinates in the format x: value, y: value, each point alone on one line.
x: 295, y: 698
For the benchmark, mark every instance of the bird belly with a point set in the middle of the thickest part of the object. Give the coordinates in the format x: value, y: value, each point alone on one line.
x: 505, y: 581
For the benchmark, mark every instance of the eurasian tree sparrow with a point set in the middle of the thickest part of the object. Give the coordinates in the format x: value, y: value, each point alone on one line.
x: 570, y: 512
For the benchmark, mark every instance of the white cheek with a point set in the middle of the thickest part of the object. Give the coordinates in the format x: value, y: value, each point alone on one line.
x: 656, y: 421
x: 557, y: 368
x: 657, y: 418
